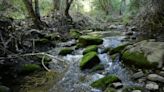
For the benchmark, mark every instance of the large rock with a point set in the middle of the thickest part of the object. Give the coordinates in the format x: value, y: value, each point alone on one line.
x: 145, y: 54
x: 155, y: 77
x: 89, y: 60
x: 105, y: 81
x: 118, y: 49
x: 29, y: 68
x: 90, y: 48
x: 89, y: 40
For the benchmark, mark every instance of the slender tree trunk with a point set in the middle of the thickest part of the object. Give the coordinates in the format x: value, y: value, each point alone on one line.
x: 122, y: 6
x: 37, y: 12
x: 32, y: 14
x: 68, y: 5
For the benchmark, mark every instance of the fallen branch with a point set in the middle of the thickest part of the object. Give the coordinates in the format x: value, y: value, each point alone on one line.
x: 44, y: 64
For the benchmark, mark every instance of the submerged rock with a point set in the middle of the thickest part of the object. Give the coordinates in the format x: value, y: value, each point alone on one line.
x: 145, y: 54
x: 89, y: 40
x: 65, y: 51
x: 90, y: 48
x: 89, y: 60
x: 105, y: 81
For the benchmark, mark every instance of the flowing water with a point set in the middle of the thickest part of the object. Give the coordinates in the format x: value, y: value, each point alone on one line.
x: 75, y: 80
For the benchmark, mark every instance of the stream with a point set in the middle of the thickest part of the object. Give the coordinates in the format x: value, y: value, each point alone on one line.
x: 75, y: 80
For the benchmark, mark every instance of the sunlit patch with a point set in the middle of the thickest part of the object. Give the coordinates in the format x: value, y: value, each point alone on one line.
x: 86, y: 5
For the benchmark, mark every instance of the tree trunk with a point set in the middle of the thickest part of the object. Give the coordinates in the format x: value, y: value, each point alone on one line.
x: 37, y: 22
x: 68, y: 5
x: 37, y: 12
x: 122, y: 6
x: 56, y: 4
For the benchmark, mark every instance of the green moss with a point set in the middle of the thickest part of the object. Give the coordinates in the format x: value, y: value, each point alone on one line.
x: 137, y: 59
x: 74, y: 33
x: 90, y: 48
x: 131, y: 88
x: 89, y: 60
x: 90, y: 40
x: 105, y: 81
x: 28, y: 68
x: 118, y: 49
x: 65, y: 51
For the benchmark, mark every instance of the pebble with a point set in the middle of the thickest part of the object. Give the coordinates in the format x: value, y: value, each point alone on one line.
x: 138, y: 75
x: 152, y: 86
x: 136, y: 91
x: 155, y: 77
x: 161, y: 73
x: 117, y: 85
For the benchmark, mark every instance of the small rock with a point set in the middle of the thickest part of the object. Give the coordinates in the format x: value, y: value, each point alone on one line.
x: 161, y: 73
x: 163, y: 68
x: 152, y: 86
x: 155, y: 77
x: 4, y: 89
x: 138, y: 75
x: 117, y: 85
x: 136, y: 91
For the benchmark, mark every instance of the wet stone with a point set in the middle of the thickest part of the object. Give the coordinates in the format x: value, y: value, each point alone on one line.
x: 138, y: 75
x: 155, y: 77
x: 136, y: 91
x: 152, y: 86
x: 117, y: 85
x: 161, y: 73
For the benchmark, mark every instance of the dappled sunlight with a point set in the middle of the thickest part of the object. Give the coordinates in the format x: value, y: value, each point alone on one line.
x: 86, y: 5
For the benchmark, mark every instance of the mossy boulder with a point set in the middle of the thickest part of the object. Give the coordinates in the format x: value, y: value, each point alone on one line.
x: 89, y: 60
x: 104, y: 82
x: 65, y: 51
x: 28, y: 68
x: 118, y: 49
x: 4, y: 89
x: 90, y: 48
x: 74, y: 33
x: 137, y: 59
x: 90, y: 40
